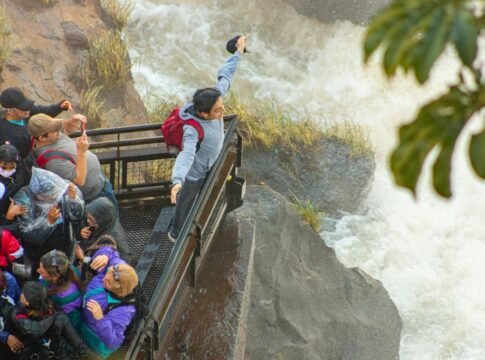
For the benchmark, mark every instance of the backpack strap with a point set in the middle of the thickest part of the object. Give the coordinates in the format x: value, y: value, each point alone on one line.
x: 48, y: 155
x: 196, y: 125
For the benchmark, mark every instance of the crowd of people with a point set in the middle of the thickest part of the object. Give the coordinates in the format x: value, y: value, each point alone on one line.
x: 66, y: 286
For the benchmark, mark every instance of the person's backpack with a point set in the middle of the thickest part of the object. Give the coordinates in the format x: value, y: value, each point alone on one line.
x: 36, y: 349
x: 140, y: 301
x: 173, y: 131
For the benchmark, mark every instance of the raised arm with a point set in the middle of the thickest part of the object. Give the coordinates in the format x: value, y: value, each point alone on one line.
x: 228, y: 69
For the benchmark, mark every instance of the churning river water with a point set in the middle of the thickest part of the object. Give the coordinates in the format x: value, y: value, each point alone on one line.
x: 429, y: 253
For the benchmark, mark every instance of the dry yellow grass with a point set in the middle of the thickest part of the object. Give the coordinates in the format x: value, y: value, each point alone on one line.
x: 91, y: 105
x: 5, y: 38
x: 48, y: 2
x: 308, y: 212
x: 106, y: 62
x: 119, y: 11
x: 266, y: 125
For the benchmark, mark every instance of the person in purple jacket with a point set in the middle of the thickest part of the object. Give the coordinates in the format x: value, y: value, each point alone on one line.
x: 62, y: 284
x: 109, y: 304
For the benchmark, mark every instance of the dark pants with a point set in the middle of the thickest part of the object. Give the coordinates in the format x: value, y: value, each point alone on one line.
x: 186, y: 198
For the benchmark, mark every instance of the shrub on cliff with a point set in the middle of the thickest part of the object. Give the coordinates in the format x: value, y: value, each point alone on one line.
x: 106, y: 62
x: 5, y: 38
x: 118, y: 11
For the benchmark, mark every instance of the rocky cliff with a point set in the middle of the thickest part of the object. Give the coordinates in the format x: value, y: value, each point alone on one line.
x: 304, y: 303
x: 48, y: 43
x: 286, y: 295
x: 327, y: 174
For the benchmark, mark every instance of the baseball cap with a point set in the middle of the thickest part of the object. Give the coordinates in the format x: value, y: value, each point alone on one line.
x: 14, y: 98
x: 41, y: 124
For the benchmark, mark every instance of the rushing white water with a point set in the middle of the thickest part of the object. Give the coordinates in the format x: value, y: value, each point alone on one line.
x: 428, y: 253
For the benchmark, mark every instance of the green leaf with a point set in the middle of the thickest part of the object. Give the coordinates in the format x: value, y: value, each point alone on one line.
x: 414, y: 33
x: 379, y: 28
x: 477, y: 153
x: 439, y: 123
x: 464, y: 35
x: 434, y: 42
x: 442, y: 170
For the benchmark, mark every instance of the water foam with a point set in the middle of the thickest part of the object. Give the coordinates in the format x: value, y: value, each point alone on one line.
x: 428, y: 253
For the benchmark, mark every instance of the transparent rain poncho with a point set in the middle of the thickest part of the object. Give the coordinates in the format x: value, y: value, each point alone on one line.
x: 45, y: 190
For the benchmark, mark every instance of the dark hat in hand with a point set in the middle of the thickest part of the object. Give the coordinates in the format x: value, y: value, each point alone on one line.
x: 14, y: 98
x: 231, y: 45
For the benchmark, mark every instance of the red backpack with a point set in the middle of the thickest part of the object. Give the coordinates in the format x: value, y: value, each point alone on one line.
x: 173, y: 129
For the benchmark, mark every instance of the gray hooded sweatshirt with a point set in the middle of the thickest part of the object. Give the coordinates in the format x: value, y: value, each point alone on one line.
x: 194, y: 165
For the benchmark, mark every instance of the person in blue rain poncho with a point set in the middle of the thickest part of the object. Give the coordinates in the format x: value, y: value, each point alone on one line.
x: 54, y: 213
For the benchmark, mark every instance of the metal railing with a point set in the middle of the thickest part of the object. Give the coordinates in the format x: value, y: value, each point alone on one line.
x: 181, y: 269
x: 140, y: 168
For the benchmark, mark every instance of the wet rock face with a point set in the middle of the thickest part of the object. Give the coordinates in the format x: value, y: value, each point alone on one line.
x: 304, y: 304
x: 357, y: 11
x: 328, y: 175
x: 48, y: 42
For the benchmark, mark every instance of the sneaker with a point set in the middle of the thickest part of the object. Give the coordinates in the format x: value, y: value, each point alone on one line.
x: 171, y: 238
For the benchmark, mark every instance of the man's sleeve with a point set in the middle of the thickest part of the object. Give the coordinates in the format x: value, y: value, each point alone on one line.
x: 51, y: 110
x: 226, y: 73
x: 185, y: 158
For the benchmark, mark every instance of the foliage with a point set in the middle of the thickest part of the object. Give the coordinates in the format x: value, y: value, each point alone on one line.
x: 309, y: 212
x: 48, y: 2
x: 119, y: 11
x: 91, y: 105
x: 266, y: 125
x: 413, y: 34
x: 5, y: 37
x: 106, y: 62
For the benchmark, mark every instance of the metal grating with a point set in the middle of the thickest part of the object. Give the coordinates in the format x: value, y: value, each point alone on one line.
x: 149, y: 171
x: 138, y: 222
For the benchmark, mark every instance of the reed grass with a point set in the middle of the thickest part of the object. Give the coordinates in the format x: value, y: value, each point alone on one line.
x: 48, y: 2
x: 91, y: 105
x: 308, y: 212
x: 106, y: 62
x: 6, y: 46
x: 118, y: 11
x: 267, y: 125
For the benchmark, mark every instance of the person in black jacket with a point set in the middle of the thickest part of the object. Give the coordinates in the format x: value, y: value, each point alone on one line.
x: 18, y: 110
x: 43, y: 332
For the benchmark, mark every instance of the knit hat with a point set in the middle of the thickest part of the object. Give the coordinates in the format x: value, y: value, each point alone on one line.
x: 41, y: 124
x: 14, y: 98
x: 128, y: 279
x: 35, y: 294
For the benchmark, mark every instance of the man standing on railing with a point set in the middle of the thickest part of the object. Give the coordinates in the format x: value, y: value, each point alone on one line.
x: 197, y: 157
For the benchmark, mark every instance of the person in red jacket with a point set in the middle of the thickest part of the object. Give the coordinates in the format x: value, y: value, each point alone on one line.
x: 10, y: 249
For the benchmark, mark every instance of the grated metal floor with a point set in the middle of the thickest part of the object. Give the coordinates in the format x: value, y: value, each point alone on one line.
x: 145, y: 226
